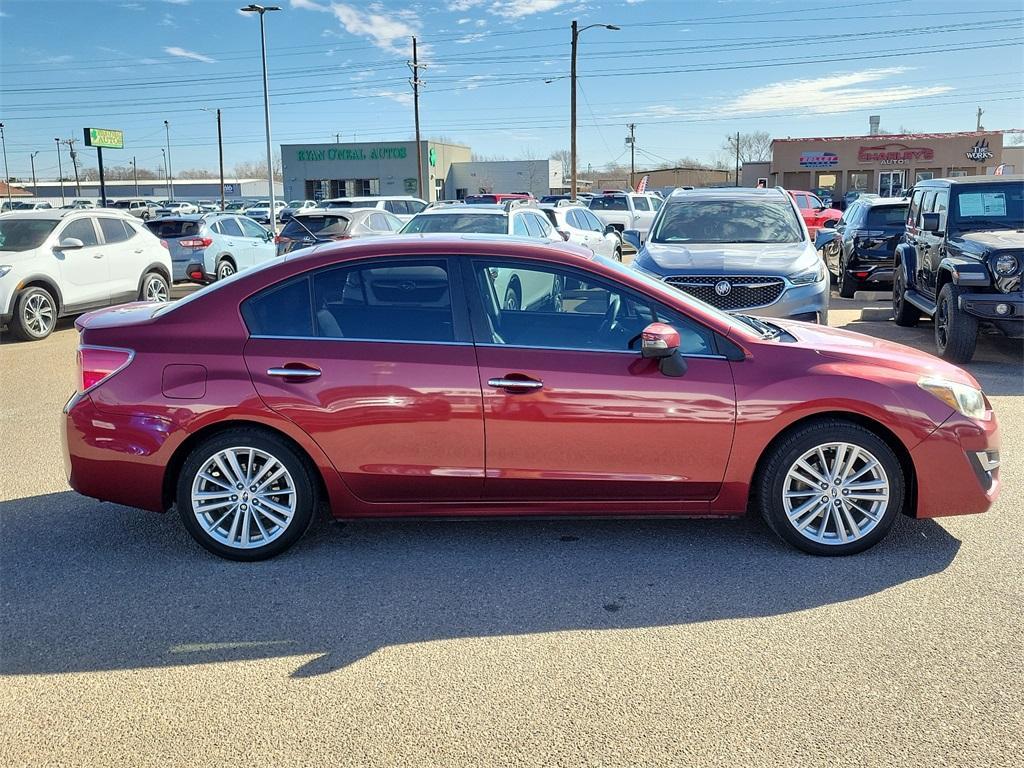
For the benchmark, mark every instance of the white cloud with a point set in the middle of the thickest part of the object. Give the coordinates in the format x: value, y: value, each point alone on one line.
x: 403, y: 98
x: 473, y: 82
x: 178, y: 2
x: 832, y: 93
x: 185, y: 54
x: 389, y: 30
x: 308, y: 5
x: 463, y: 21
x: 517, y: 9
x: 62, y: 59
x: 132, y: 6
x: 464, y: 5
x: 167, y: 21
x: 471, y: 38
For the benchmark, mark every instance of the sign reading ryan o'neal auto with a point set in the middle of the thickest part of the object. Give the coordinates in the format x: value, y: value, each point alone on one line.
x: 104, y: 137
x: 346, y: 153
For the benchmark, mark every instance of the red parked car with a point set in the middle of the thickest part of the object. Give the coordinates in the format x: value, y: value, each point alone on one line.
x: 816, y: 214
x: 385, y: 378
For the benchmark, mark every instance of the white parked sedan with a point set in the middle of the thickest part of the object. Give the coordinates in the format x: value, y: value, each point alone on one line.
x: 584, y: 228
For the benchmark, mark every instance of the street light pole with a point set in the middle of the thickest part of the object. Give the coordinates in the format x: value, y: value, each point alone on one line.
x: 170, y: 173
x: 167, y: 175
x: 576, y: 30
x: 60, y: 173
x: 32, y: 159
x: 220, y: 154
x: 261, y: 10
x: 135, y: 173
x: 7, y: 175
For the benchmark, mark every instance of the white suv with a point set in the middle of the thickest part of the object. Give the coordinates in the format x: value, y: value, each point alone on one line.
x: 627, y: 210
x: 66, y: 261
x: 402, y: 206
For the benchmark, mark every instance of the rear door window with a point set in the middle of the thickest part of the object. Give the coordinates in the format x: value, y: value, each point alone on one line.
x: 113, y: 230
x: 283, y: 310
x: 414, y: 206
x: 230, y: 227
x: 520, y: 228
x: 251, y: 229
x: 640, y: 203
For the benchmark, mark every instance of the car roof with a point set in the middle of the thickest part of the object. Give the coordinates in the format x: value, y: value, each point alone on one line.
x: 60, y: 213
x: 334, y: 211
x: 480, y: 208
x: 983, y: 179
x: 729, y: 193
x: 374, y: 198
x: 871, y: 202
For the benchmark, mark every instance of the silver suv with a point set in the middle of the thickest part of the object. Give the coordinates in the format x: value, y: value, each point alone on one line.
x: 741, y: 250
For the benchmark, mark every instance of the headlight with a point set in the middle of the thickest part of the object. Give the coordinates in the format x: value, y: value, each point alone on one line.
x: 5, y: 268
x: 1004, y: 265
x: 815, y: 275
x: 967, y: 400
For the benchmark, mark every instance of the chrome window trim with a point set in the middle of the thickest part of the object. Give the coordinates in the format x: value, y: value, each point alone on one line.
x: 635, y: 353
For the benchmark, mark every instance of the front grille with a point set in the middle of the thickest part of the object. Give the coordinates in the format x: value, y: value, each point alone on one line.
x: 745, y: 291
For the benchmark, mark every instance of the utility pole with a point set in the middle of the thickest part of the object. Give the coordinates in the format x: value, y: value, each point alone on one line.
x: 170, y: 174
x: 167, y: 174
x: 60, y: 173
x: 737, y: 179
x: 74, y: 163
x: 415, y: 82
x: 7, y: 175
x: 135, y: 173
x: 220, y: 158
x: 980, y: 113
x: 576, y: 30
x: 32, y: 160
x: 337, y: 138
x: 632, y: 155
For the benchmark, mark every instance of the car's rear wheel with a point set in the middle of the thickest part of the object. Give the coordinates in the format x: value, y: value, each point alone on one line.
x: 956, y: 332
x: 225, y: 269
x: 617, y: 255
x: 245, y: 495
x: 848, y: 285
x: 35, y: 314
x: 831, y: 488
x: 154, y: 288
x: 513, y: 298
x: 903, y: 312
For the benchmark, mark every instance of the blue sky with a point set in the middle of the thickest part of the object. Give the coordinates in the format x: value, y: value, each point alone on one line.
x: 687, y: 73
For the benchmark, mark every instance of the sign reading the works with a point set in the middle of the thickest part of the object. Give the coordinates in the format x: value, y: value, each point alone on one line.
x: 894, y: 154
x: 818, y: 159
x: 980, y: 152
x: 350, y: 153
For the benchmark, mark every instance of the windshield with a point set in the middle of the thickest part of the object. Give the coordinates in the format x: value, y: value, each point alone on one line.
x: 123, y: 204
x: 989, y: 206
x: 727, y: 221
x: 322, y: 226
x: 294, y: 203
x: 24, y: 234
x: 480, y: 223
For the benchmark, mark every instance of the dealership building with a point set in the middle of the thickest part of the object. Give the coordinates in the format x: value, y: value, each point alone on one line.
x: 884, y: 164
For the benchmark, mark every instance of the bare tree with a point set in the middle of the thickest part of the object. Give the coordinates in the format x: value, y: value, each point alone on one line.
x: 564, y: 156
x: 755, y: 147
x: 257, y: 169
x: 199, y: 173
x: 1016, y: 139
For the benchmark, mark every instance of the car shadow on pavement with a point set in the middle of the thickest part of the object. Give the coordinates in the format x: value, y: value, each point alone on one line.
x: 87, y: 586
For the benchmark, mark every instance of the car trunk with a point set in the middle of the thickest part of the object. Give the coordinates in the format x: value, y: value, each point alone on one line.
x: 184, y: 237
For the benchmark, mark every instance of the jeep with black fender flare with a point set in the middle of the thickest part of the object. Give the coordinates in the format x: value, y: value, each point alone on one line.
x: 961, y: 259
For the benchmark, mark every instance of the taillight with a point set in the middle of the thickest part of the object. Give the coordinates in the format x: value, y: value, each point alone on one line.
x: 196, y: 242
x: 196, y: 274
x: 564, y: 234
x: 95, y: 364
x: 165, y: 245
x: 282, y: 239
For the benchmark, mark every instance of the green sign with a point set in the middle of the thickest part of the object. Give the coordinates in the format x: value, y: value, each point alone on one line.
x: 432, y: 156
x: 350, y: 153
x: 104, y: 137
x: 412, y: 186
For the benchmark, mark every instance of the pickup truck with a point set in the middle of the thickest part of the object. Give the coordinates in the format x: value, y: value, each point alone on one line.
x: 961, y: 261
x: 626, y: 210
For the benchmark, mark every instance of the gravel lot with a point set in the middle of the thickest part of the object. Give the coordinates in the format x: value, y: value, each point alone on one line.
x: 643, y: 643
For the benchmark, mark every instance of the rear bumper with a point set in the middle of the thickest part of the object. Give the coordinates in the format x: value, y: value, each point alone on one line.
x: 873, y: 272
x: 957, y: 468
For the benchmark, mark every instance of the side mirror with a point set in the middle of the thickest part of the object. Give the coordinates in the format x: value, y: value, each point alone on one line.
x: 930, y: 222
x: 825, y: 236
x: 70, y: 244
x: 660, y: 342
x: 632, y: 236
x: 610, y: 229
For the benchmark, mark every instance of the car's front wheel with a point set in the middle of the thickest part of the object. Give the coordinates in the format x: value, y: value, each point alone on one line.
x: 831, y: 487
x: 245, y: 495
x: 956, y: 332
x: 35, y: 314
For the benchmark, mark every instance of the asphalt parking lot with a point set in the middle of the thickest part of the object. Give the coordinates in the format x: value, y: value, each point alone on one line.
x: 640, y: 643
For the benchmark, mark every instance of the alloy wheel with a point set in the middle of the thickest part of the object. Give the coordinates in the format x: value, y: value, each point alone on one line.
x: 156, y: 290
x: 942, y: 324
x: 835, y: 493
x: 225, y: 270
x: 243, y: 497
x: 39, y: 314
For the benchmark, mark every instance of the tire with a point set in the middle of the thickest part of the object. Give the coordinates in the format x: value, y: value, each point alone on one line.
x: 956, y: 332
x: 225, y: 269
x: 35, y: 314
x: 816, y: 529
x: 617, y: 254
x: 154, y: 288
x: 223, y: 532
x: 847, y: 284
x: 513, y: 298
x: 904, y: 313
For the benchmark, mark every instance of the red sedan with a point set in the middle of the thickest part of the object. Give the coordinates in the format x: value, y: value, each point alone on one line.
x: 386, y: 379
x: 815, y: 213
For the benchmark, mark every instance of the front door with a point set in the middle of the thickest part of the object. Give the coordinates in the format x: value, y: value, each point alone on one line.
x: 85, y: 271
x: 374, y: 361
x: 571, y: 410
x: 890, y: 183
x: 258, y: 245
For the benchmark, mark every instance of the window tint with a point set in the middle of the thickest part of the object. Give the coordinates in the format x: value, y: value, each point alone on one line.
x: 378, y: 222
x: 113, y: 230
x: 915, y: 206
x: 641, y: 204
x: 609, y: 203
x: 537, y: 225
x: 940, y: 207
x: 596, y: 225
x: 251, y: 229
x: 481, y: 223
x: 886, y: 215
x: 534, y: 305
x: 230, y: 227
x: 520, y: 227
x: 656, y: 203
x: 480, y: 199
x: 414, y: 206
x: 392, y: 206
x: 282, y: 310
x: 80, y: 229
x: 397, y: 301
x: 815, y: 202
x: 328, y: 225
x: 926, y: 204
x: 574, y: 220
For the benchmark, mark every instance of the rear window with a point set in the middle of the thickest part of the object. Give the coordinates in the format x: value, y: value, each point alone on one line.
x: 609, y: 204
x: 171, y: 229
x: 478, y: 223
x: 340, y: 204
x: 324, y: 226
x: 887, y: 215
x: 481, y: 199
x: 123, y: 204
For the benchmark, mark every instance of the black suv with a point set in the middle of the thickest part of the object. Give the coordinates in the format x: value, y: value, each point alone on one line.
x: 961, y: 260
x: 862, y: 251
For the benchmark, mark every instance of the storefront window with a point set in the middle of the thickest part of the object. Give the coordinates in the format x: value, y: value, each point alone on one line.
x: 858, y: 181
x: 957, y: 172
x: 924, y: 175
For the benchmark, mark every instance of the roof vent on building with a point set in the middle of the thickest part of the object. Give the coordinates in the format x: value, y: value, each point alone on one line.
x: 873, y: 123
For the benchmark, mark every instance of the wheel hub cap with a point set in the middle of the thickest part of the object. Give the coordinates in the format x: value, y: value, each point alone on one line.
x: 835, y: 493
x: 39, y: 313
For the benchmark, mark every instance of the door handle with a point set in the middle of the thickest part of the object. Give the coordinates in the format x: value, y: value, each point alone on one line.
x: 97, y: 255
x: 523, y: 384
x: 138, y: 250
x: 294, y: 373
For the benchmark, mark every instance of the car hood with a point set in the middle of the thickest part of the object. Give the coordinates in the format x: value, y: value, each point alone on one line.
x: 730, y: 258
x: 997, y: 239
x: 878, y: 353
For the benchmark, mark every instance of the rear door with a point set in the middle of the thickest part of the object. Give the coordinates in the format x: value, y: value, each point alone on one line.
x: 125, y: 255
x: 571, y: 410
x: 374, y: 361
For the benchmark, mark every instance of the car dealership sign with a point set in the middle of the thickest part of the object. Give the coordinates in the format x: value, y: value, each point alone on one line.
x: 350, y: 153
x: 818, y: 159
x: 894, y: 154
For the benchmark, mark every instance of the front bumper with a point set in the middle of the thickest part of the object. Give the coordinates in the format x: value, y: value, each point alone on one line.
x: 986, y: 306
x: 799, y: 302
x: 957, y: 468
